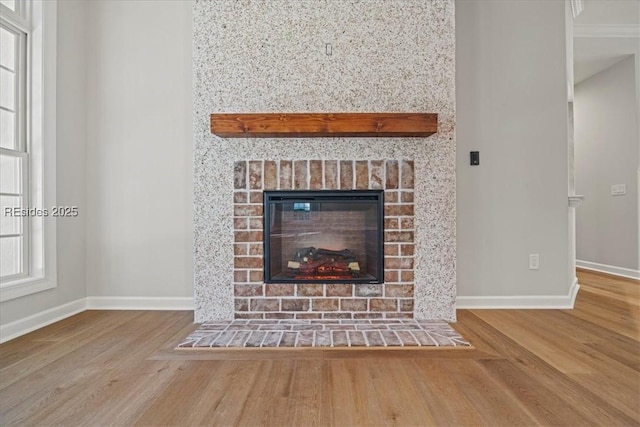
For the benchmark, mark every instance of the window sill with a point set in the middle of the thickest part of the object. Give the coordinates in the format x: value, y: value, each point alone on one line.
x: 23, y: 287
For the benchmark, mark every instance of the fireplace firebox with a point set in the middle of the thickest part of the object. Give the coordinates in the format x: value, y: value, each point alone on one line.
x: 324, y: 236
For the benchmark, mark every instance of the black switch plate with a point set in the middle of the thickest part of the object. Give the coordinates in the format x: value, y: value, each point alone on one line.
x: 474, y: 158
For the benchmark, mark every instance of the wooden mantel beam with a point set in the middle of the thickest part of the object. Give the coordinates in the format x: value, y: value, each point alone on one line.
x: 313, y: 125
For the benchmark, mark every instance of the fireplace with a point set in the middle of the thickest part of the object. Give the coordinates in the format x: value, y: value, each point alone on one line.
x: 323, y: 236
x: 339, y: 214
x: 415, y: 40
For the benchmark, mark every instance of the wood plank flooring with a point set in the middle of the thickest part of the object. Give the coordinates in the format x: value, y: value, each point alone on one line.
x: 529, y: 367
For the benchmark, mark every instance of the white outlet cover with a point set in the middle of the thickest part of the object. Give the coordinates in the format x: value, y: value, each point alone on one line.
x: 618, y: 189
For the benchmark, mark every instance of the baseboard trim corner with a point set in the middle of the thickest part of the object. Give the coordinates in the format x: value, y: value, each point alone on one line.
x: 610, y: 269
x: 28, y: 324
x: 573, y: 292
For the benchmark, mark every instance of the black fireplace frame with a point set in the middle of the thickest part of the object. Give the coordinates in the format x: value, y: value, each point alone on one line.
x: 311, y: 196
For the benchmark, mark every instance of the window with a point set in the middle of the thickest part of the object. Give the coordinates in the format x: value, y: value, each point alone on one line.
x: 27, y: 146
x: 14, y: 159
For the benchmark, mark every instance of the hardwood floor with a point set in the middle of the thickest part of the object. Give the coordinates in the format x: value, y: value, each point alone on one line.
x: 529, y: 367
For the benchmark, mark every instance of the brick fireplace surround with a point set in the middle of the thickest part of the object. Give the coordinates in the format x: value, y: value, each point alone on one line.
x: 271, y: 57
x: 255, y: 300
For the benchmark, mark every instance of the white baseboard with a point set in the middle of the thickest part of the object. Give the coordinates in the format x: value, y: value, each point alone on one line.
x: 603, y: 268
x: 520, y: 302
x: 140, y: 303
x: 39, y: 320
x: 20, y: 327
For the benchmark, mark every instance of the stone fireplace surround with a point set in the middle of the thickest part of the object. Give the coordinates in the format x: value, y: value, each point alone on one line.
x: 254, y: 299
x: 269, y: 56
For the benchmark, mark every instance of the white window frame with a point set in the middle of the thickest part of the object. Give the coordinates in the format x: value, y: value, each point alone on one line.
x: 41, y: 21
x: 16, y: 23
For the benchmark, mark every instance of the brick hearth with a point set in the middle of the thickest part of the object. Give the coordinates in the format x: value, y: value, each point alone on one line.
x: 325, y: 333
x: 254, y: 299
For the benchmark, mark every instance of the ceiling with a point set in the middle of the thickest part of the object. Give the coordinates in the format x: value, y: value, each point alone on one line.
x: 595, y: 50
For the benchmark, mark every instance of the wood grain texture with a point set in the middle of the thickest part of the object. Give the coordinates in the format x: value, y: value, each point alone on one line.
x: 312, y: 125
x: 529, y: 367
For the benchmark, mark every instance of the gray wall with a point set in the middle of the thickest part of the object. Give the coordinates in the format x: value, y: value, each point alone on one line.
x: 123, y: 153
x: 606, y: 153
x: 133, y: 236
x: 139, y: 172
x: 512, y: 106
x: 70, y: 169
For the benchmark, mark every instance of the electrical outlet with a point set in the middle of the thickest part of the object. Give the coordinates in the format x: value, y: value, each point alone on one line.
x: 534, y: 261
x: 328, y: 49
x: 618, y: 189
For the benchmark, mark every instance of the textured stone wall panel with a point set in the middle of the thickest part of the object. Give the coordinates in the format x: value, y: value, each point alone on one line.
x: 270, y: 56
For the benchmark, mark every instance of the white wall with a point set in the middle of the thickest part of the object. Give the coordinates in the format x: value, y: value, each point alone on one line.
x: 139, y: 149
x: 70, y: 169
x: 512, y: 106
x: 606, y: 153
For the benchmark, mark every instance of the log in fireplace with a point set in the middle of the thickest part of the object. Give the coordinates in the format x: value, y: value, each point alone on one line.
x: 324, y: 236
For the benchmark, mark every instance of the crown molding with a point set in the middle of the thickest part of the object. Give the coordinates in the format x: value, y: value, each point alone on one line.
x: 613, y: 30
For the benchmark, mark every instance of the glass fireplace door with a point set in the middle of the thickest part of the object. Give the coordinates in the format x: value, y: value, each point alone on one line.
x: 323, y: 236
